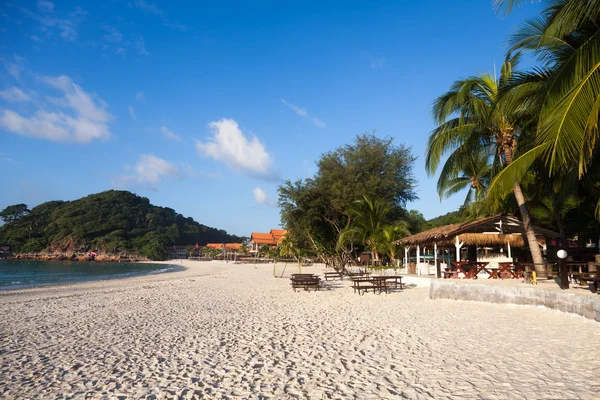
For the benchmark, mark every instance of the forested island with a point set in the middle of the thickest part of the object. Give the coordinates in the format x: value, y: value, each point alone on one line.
x: 110, y: 222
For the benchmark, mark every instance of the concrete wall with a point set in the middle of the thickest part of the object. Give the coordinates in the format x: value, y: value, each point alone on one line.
x: 584, y: 305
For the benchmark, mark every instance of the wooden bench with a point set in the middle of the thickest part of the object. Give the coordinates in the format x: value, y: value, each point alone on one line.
x: 364, y: 284
x: 450, y: 274
x: 392, y: 282
x: 333, y: 275
x: 305, y: 281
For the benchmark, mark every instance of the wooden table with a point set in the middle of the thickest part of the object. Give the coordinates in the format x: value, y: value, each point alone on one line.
x: 469, y: 269
x: 508, y: 270
x: 492, y: 272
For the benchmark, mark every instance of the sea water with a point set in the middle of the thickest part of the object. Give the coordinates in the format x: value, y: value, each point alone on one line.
x: 17, y: 274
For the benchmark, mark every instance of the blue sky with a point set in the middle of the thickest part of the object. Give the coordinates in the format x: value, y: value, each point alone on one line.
x: 205, y: 107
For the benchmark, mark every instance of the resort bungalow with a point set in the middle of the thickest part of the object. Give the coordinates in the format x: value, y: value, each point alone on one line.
x: 177, y: 252
x: 228, y: 250
x: 271, y: 239
x: 491, y: 239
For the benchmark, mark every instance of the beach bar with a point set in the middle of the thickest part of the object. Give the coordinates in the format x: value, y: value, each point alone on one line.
x: 486, y: 241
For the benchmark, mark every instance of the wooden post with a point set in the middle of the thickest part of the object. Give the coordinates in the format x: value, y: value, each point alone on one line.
x: 509, y: 253
x: 458, y: 245
x: 438, y: 270
x: 418, y: 259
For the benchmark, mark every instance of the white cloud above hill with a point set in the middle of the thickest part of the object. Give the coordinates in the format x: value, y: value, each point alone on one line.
x: 262, y: 197
x: 148, y: 172
x: 229, y: 145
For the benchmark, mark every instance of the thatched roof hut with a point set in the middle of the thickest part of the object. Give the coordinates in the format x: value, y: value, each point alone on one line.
x: 495, y: 230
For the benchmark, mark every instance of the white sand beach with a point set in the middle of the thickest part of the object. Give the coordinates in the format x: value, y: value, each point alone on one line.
x: 225, y: 331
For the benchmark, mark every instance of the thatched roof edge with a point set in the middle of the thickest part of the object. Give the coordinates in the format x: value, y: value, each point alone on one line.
x: 445, y: 234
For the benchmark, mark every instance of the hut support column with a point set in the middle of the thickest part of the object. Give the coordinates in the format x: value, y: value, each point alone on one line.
x: 509, y: 253
x: 438, y: 270
x: 418, y: 259
x: 406, y: 250
x: 458, y: 245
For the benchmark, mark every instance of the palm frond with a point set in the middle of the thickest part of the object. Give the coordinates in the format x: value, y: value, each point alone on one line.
x: 445, y: 138
x: 504, y: 181
x: 572, y: 97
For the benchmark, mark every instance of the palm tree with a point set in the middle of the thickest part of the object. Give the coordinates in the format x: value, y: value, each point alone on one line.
x: 565, y: 38
x: 368, y: 217
x: 264, y: 249
x: 287, y: 248
x: 390, y: 236
x: 244, y: 249
x: 471, y: 170
x: 472, y: 116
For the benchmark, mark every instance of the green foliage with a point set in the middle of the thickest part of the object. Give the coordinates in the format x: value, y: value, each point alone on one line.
x: 317, y: 209
x: 368, y: 218
x: 564, y: 88
x: 453, y: 217
x: 190, y: 250
x: 111, y: 221
x: 12, y: 213
x: 34, y: 245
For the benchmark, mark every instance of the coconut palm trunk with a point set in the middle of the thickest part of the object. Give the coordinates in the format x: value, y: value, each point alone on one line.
x: 534, y: 248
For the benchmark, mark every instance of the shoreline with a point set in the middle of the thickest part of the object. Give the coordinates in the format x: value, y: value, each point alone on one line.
x: 95, y: 282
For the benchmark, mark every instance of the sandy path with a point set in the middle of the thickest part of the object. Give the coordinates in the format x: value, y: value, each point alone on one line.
x: 231, y: 331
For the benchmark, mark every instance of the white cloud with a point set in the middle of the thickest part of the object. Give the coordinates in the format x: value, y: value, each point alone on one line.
x: 153, y: 9
x: 261, y: 197
x: 48, y: 21
x: 148, y: 171
x: 139, y: 96
x: 141, y: 46
x: 169, y: 134
x: 132, y: 113
x: 298, y: 110
x: 14, y: 94
x: 77, y: 116
x: 240, y: 153
x: 113, y: 35
x: 303, y: 113
x: 149, y: 7
x: 378, y: 62
x: 15, y: 68
x: 45, y: 6
x: 375, y: 62
x: 79, y: 100
x: 318, y: 123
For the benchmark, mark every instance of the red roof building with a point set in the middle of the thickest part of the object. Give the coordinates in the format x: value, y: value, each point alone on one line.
x: 272, y: 239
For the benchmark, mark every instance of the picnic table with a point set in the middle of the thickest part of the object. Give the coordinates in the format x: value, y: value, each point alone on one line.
x: 377, y: 283
x: 509, y: 270
x: 470, y: 269
x: 305, y: 281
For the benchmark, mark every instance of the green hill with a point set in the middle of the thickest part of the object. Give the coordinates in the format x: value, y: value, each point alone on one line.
x: 113, y: 221
x: 452, y: 217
